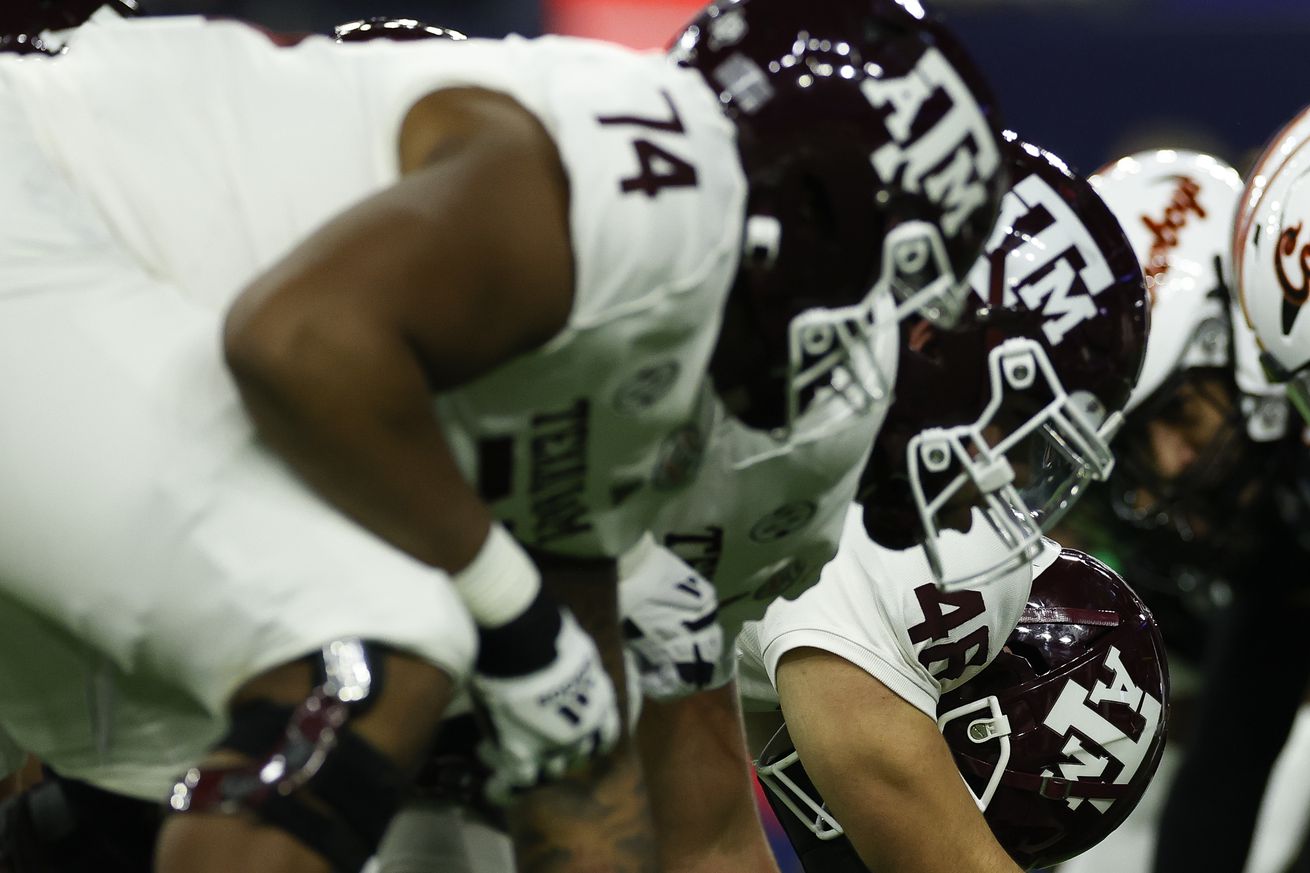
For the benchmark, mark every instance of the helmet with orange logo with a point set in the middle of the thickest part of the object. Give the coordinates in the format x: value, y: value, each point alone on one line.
x: 1178, y: 209
x: 1272, y: 260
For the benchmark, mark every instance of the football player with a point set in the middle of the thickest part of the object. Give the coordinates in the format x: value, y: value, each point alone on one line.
x: 1059, y: 293
x: 1085, y: 322
x: 587, y: 211
x: 1209, y: 496
x: 1060, y: 277
x: 1046, y: 690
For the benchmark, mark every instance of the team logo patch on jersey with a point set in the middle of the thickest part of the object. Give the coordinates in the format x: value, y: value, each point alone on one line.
x: 646, y: 388
x: 679, y: 458
x: 783, y: 521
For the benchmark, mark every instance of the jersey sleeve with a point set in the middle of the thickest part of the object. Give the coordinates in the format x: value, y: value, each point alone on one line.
x: 880, y: 610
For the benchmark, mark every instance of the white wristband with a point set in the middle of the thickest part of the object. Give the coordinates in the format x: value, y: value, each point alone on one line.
x: 501, y: 581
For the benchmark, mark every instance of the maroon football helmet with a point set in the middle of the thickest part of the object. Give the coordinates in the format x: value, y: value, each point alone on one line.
x: 1005, y: 419
x: 1060, y: 735
x: 405, y: 29
x: 23, y: 22
x: 871, y: 149
x: 1056, y: 739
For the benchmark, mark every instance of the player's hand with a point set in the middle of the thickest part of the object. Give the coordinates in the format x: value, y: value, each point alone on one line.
x: 546, y: 722
x: 670, y: 625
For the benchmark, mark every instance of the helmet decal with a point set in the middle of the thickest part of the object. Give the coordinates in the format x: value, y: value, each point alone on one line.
x: 1294, y: 293
x: 1272, y: 264
x: 948, y: 154
x: 1166, y: 230
x: 1077, y: 716
x: 1048, y: 257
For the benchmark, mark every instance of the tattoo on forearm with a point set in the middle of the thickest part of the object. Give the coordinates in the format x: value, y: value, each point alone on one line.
x: 596, y: 821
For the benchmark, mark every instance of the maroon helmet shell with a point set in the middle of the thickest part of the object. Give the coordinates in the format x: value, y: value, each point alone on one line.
x: 1058, y: 293
x: 23, y: 21
x: 1084, y: 685
x: 854, y: 118
x: 405, y: 29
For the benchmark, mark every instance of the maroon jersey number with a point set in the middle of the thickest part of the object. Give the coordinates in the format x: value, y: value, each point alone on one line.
x: 658, y: 168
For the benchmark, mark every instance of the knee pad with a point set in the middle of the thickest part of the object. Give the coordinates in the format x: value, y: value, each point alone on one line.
x: 309, y: 774
x: 64, y: 826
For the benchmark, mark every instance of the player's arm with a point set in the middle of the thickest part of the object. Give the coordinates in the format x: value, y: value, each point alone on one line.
x: 698, y: 773
x: 883, y: 769
x: 461, y: 265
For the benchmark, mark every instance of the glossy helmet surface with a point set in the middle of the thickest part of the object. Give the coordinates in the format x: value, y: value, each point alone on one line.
x: 1280, y: 146
x: 1178, y: 209
x: 1060, y: 735
x: 31, y: 26
x: 856, y: 122
x: 365, y: 29
x: 1011, y: 413
x: 1271, y: 259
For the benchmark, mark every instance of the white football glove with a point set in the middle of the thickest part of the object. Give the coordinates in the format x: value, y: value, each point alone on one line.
x: 547, y: 722
x: 670, y: 625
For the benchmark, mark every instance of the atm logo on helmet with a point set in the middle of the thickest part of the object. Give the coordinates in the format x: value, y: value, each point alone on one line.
x: 1076, y: 716
x: 1047, y: 256
x: 952, y: 160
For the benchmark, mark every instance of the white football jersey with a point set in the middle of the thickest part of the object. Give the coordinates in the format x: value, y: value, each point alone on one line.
x: 148, y: 175
x: 880, y: 610
x: 210, y: 150
x: 759, y: 522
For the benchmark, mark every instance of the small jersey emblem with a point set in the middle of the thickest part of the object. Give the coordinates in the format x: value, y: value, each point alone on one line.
x: 646, y: 387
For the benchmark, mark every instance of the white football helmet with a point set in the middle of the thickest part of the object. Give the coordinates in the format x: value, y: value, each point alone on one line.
x: 1272, y: 260
x: 1178, y: 209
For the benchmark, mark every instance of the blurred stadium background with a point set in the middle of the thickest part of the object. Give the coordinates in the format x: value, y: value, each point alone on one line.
x: 1087, y: 79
